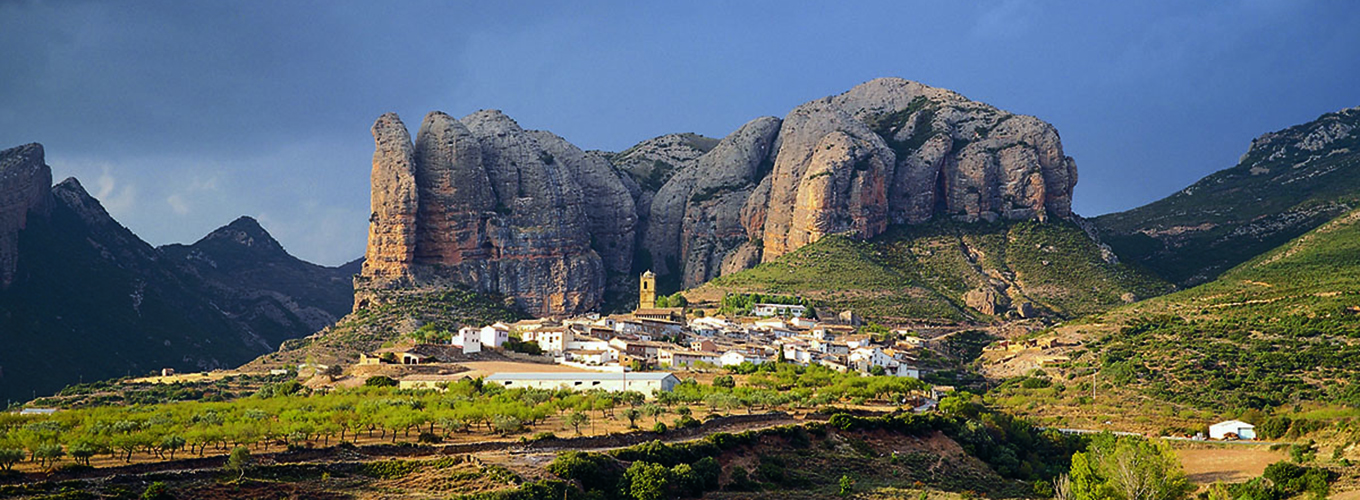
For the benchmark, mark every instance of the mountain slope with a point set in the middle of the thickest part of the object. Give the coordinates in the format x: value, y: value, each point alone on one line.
x: 1282, y: 328
x: 948, y: 270
x: 1287, y: 183
x: 252, y: 279
x: 86, y: 299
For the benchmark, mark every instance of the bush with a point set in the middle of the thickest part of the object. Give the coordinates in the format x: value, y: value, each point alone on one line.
x: 648, y: 481
x: 594, y: 471
x: 388, y: 469
x: 157, y: 491
x: 380, y: 381
x: 659, y: 428
x: 429, y: 438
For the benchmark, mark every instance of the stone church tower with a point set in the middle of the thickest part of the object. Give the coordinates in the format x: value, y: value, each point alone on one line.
x: 647, y: 291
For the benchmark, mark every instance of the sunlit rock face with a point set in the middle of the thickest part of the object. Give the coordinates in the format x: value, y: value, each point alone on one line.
x: 481, y: 202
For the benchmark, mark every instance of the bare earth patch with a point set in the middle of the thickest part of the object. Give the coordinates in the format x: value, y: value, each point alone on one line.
x: 1232, y: 465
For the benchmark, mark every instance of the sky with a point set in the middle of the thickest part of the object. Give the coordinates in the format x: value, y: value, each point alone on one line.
x: 182, y: 116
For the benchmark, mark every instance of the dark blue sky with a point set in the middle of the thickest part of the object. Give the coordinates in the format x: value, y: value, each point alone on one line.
x: 182, y: 116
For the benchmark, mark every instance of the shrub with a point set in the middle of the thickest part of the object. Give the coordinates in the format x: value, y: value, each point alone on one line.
x: 389, y: 469
x: 648, y: 481
x: 157, y: 491
x: 594, y: 471
x: 380, y: 381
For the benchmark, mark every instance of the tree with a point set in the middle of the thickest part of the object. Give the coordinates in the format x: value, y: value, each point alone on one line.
x: 653, y: 411
x: 9, y: 457
x: 725, y: 381
x: 648, y: 481
x: 632, y: 414
x: 82, y: 449
x: 238, y: 461
x: 171, y: 444
x: 1129, y: 468
x: 576, y: 420
x: 48, y: 454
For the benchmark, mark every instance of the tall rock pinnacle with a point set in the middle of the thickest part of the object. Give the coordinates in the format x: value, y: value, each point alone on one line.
x: 25, y: 188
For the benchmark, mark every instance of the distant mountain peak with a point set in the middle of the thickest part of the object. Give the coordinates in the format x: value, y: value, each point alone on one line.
x: 244, y: 231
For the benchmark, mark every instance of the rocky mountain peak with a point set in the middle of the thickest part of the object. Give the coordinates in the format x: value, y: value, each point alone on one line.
x: 244, y: 232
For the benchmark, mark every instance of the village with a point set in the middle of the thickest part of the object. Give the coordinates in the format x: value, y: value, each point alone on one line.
x: 631, y: 352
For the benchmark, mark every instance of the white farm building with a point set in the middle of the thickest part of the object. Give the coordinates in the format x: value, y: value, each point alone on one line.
x: 1232, y: 429
x: 645, y: 382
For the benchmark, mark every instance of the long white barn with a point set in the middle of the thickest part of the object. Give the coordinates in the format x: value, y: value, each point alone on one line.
x: 645, y: 382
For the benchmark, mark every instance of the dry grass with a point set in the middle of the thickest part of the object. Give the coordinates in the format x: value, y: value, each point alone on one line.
x: 1227, y: 464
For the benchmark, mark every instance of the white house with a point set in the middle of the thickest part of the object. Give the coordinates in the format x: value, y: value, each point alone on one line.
x: 1236, y: 428
x: 555, y: 339
x: 470, y: 339
x: 766, y: 310
x: 586, y: 344
x: 685, y: 357
x: 646, y: 382
x: 739, y: 356
x: 495, y: 336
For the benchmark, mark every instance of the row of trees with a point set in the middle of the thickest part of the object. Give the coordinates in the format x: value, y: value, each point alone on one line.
x: 287, y: 414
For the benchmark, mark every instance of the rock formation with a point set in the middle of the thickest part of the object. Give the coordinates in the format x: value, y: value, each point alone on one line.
x: 480, y: 202
x: 25, y: 184
x: 483, y: 203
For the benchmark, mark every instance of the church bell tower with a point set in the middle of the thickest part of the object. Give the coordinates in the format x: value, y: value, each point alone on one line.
x: 647, y: 291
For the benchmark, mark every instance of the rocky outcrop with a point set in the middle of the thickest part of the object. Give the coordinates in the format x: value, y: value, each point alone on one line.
x: 496, y: 208
x: 394, y: 201
x: 481, y: 202
x: 25, y: 181
x: 696, y: 217
x: 895, y: 151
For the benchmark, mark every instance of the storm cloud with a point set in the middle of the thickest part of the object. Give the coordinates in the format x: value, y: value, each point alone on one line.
x: 182, y: 116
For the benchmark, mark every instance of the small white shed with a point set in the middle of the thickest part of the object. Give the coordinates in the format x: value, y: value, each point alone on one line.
x: 1237, y: 428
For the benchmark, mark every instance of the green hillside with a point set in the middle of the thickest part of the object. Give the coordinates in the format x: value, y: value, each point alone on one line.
x: 1283, y: 328
x: 1287, y: 183
x: 393, y: 314
x: 923, y: 272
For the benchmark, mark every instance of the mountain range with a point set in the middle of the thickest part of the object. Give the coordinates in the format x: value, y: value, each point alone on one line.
x: 82, y: 298
x: 904, y: 202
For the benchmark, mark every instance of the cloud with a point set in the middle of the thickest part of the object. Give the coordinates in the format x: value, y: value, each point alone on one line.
x: 117, y: 198
x: 177, y: 204
x: 1005, y: 19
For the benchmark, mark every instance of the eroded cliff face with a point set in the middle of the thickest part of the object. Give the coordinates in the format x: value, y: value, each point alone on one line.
x: 481, y: 202
x: 25, y: 188
x: 497, y: 208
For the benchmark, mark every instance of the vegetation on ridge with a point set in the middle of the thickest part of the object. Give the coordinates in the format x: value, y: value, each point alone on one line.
x: 921, y: 272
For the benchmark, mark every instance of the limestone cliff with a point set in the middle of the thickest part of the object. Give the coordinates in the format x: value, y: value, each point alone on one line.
x: 526, y: 214
x: 494, y: 207
x: 25, y: 183
x: 889, y: 151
